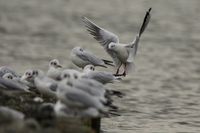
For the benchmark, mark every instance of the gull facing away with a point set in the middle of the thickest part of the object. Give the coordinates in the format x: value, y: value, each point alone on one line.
x: 122, y: 54
x: 100, y: 76
x: 81, y: 57
x: 54, y: 70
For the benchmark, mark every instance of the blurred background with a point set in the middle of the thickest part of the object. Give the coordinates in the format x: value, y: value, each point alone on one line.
x: 163, y: 93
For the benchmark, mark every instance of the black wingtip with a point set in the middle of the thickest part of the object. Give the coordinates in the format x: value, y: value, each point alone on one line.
x: 149, y: 9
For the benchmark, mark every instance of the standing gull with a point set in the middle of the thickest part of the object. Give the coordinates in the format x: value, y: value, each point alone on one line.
x: 82, y: 57
x: 54, y: 70
x: 122, y: 54
x: 100, y: 76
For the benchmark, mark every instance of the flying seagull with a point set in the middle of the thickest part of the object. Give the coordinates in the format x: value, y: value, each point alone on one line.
x: 122, y: 54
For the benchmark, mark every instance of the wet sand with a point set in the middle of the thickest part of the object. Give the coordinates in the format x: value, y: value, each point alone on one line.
x: 163, y: 92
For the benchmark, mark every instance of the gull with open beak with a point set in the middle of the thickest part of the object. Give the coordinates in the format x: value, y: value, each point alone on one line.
x: 122, y: 54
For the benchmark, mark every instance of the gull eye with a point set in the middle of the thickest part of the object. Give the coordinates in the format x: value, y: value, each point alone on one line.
x: 10, y: 77
x: 54, y: 63
x: 26, y: 73
x: 66, y: 76
x: 35, y: 72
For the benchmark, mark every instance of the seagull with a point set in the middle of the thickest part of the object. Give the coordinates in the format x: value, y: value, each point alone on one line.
x: 28, y: 78
x: 81, y: 57
x: 44, y: 84
x: 77, y: 99
x: 122, y: 54
x: 12, y: 87
x: 6, y: 69
x: 54, y: 70
x: 87, y: 85
x: 16, y: 81
x: 100, y: 76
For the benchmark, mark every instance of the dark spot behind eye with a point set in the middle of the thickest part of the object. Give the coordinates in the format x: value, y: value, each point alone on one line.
x: 66, y: 76
x: 75, y: 76
x: 81, y: 49
x: 10, y: 77
x: 35, y: 72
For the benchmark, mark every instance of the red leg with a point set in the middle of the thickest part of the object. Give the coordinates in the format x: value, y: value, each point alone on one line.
x: 124, y: 73
x: 117, y: 73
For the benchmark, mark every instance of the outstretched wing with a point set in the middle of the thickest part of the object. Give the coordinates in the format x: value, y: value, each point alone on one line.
x: 145, y: 22
x: 133, y: 46
x: 104, y: 37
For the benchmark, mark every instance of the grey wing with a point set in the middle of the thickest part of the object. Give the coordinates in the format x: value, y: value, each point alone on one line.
x: 102, y: 77
x: 10, y: 85
x: 132, y: 47
x: 89, y: 57
x: 103, y: 36
x: 80, y: 97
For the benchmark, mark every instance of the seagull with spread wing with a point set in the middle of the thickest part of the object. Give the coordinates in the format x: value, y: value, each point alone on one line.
x: 122, y: 54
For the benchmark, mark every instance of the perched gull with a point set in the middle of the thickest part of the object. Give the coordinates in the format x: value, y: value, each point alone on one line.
x: 78, y: 99
x: 5, y: 69
x: 44, y: 84
x: 54, y: 70
x: 82, y: 57
x: 91, y: 87
x: 11, y: 87
x: 27, y: 78
x: 101, y: 76
x: 16, y: 81
x: 122, y: 54
x: 8, y: 115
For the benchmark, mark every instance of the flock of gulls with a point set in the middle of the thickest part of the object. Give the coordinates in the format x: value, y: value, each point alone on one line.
x: 78, y: 93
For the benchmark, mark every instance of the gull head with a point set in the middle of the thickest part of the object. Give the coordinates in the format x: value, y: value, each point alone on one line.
x: 37, y: 73
x: 55, y: 63
x: 70, y: 74
x: 112, y: 46
x: 28, y: 75
x: 77, y: 50
x: 89, y: 68
x: 8, y: 76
